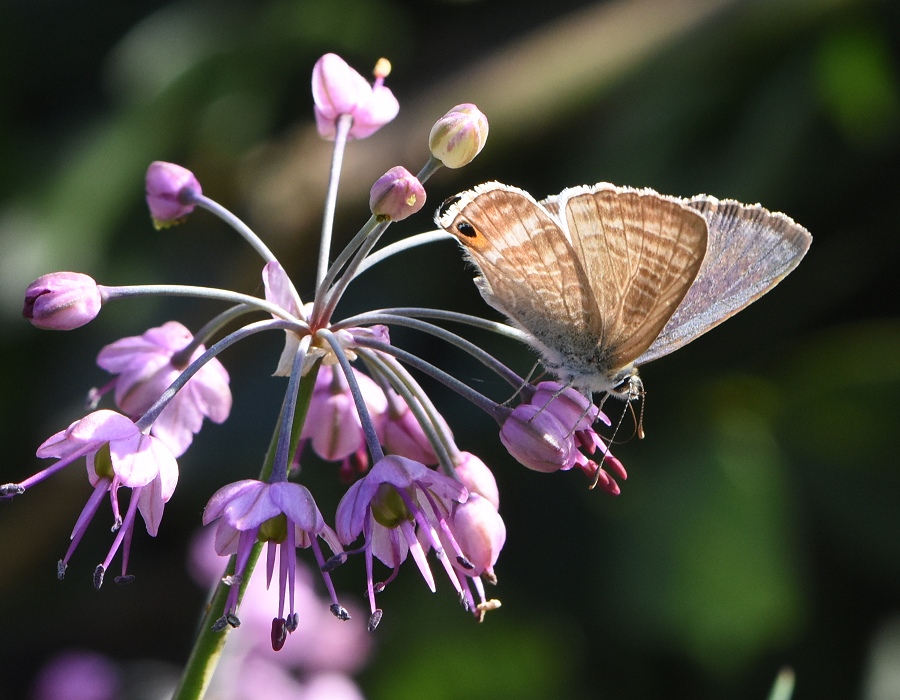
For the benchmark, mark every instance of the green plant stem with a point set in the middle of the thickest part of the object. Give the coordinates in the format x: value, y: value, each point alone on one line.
x: 209, y: 645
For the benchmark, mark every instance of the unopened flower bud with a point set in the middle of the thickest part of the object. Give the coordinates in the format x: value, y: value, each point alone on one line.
x: 396, y: 195
x: 538, y: 440
x: 480, y: 532
x: 477, y: 478
x: 171, y: 192
x: 458, y: 136
x: 62, y: 301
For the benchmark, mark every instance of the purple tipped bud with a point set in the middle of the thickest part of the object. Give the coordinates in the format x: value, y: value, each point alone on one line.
x: 171, y: 193
x: 458, y: 136
x: 62, y: 301
x: 396, y: 195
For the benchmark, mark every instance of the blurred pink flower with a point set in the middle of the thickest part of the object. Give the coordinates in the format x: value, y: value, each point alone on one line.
x: 147, y: 364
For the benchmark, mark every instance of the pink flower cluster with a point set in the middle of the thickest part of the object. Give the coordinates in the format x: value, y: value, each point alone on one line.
x: 412, y: 493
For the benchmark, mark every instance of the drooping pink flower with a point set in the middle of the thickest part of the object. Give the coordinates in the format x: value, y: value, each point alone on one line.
x: 318, y: 644
x: 387, y: 506
x: 284, y: 515
x: 147, y: 364
x: 479, y: 532
x: 339, y: 90
x: 477, y: 478
x: 62, y: 301
x: 118, y: 454
x: 401, y: 434
x: 548, y: 432
x: 537, y: 439
x: 171, y: 193
x: 333, y: 425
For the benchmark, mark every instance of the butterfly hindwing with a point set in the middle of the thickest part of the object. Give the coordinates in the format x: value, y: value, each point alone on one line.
x: 749, y: 251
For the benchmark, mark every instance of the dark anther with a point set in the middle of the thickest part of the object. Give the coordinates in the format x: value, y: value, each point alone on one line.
x: 374, y: 620
x: 339, y: 612
x: 122, y: 580
x: 220, y: 624
x: 464, y: 563
x: 292, y: 622
x: 10, y: 490
x: 334, y: 562
x: 99, y: 572
x: 279, y: 633
x: 232, y: 620
x: 465, y: 603
x: 379, y: 587
x: 60, y: 569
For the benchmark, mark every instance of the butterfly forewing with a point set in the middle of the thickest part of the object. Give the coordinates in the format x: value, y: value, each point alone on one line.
x: 641, y: 252
x: 749, y: 251
x: 520, y: 249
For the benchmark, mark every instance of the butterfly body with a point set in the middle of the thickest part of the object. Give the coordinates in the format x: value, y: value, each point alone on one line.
x: 606, y: 278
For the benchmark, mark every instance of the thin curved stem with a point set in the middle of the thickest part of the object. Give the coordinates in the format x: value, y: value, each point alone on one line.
x: 364, y: 418
x: 232, y: 220
x: 209, y: 293
x: 401, y: 246
x: 493, y: 409
x: 152, y: 413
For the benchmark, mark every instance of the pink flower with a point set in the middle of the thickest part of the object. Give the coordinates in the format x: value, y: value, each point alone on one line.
x: 386, y: 506
x: 537, y: 439
x: 118, y: 454
x: 172, y: 193
x: 401, y: 434
x: 477, y: 478
x: 396, y: 195
x: 333, y: 425
x: 480, y: 534
x: 338, y: 90
x: 285, y: 515
x: 318, y: 644
x: 62, y: 301
x: 147, y: 364
x: 548, y: 433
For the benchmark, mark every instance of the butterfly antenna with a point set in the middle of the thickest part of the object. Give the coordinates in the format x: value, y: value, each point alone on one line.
x: 635, y: 392
x: 639, y: 427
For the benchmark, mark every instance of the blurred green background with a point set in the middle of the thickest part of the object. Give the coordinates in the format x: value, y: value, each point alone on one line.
x: 760, y: 525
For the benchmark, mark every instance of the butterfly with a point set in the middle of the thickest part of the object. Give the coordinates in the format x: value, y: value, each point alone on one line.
x: 603, y: 279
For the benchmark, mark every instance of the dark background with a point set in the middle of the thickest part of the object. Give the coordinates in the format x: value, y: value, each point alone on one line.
x: 760, y: 525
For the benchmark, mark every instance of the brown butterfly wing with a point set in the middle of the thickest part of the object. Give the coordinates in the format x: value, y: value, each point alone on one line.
x: 750, y: 250
x: 528, y: 270
x: 641, y: 252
